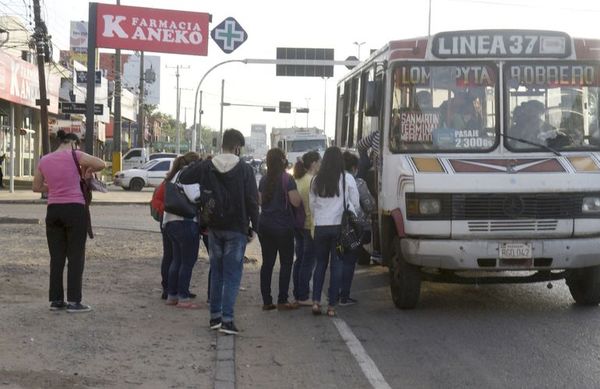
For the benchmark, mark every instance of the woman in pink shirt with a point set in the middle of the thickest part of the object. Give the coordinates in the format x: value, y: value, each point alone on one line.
x: 66, y: 223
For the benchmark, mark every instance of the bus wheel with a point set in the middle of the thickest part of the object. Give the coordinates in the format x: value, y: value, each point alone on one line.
x: 584, y: 285
x: 405, y: 280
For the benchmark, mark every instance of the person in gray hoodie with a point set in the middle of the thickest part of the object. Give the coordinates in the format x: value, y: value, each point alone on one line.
x: 233, y: 179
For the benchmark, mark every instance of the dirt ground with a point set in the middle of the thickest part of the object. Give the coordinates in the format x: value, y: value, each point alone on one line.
x: 130, y: 339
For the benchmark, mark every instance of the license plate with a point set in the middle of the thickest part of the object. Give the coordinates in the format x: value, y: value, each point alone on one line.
x: 516, y: 250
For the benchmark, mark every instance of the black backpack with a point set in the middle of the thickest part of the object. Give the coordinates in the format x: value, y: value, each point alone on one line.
x: 216, y: 207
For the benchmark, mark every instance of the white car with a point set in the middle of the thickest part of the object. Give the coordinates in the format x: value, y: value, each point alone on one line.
x: 152, y: 173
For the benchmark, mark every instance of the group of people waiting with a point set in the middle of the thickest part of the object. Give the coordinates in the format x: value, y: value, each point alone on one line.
x: 297, y: 214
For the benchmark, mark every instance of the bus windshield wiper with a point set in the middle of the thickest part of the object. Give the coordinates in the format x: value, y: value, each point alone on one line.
x: 541, y: 145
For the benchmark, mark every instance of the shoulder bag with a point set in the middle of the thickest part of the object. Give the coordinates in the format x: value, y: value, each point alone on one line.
x: 176, y: 201
x: 87, y: 194
x: 351, y: 230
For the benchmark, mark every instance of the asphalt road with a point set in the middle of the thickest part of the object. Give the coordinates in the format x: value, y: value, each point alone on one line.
x: 498, y: 336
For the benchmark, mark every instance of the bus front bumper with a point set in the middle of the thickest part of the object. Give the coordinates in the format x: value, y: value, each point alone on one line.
x: 480, y: 254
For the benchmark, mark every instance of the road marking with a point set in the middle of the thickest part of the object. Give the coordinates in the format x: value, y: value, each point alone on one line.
x: 359, y: 353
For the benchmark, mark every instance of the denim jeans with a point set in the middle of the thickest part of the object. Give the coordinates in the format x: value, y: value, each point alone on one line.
x: 304, y: 264
x: 348, y: 265
x: 185, y: 240
x: 273, y: 241
x: 226, y: 266
x: 325, y: 248
x: 166, y: 259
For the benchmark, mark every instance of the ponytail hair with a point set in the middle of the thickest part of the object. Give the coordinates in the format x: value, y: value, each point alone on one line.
x: 180, y: 162
x: 64, y: 137
x: 301, y: 167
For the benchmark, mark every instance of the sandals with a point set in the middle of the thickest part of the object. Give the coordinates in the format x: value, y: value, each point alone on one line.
x: 331, y: 312
x: 316, y: 309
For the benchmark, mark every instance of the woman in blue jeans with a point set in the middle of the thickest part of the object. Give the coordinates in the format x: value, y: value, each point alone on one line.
x: 326, y: 200
x: 183, y: 235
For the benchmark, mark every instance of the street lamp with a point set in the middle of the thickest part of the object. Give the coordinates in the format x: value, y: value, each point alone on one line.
x: 358, y: 44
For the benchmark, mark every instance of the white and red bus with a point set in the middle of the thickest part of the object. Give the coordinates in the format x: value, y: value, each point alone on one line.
x: 489, y: 157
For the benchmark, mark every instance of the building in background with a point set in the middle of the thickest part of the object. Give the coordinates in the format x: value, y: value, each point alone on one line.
x: 256, y: 143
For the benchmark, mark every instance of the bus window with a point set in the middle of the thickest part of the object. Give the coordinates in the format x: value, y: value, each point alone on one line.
x: 443, y: 108
x: 554, y: 104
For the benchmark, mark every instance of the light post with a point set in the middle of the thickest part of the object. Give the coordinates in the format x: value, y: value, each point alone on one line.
x: 358, y: 44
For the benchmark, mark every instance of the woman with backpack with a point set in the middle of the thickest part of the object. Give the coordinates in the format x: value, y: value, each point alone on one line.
x: 304, y: 171
x: 182, y: 242
x: 277, y: 194
x: 328, y: 190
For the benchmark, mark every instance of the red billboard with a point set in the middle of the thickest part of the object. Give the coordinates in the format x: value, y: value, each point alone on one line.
x: 152, y: 29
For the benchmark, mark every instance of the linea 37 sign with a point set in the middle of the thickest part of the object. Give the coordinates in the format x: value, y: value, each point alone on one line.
x: 152, y: 29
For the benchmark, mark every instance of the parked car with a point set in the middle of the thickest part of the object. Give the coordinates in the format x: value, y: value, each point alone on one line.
x: 136, y: 158
x: 163, y: 155
x: 150, y: 174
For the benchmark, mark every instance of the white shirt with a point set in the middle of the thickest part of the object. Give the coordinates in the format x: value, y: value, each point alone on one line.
x: 327, y: 211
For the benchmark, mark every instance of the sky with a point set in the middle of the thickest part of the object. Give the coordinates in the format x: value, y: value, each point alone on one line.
x: 311, y: 23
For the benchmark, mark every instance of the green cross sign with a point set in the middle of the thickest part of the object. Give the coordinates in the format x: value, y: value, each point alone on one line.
x: 229, y: 35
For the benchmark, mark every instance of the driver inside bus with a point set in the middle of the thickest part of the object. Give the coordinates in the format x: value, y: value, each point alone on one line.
x: 463, y: 111
x: 529, y: 124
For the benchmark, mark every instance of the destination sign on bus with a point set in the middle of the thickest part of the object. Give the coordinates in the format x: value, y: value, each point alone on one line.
x: 501, y: 44
x: 555, y: 74
x: 462, y: 75
x: 417, y: 126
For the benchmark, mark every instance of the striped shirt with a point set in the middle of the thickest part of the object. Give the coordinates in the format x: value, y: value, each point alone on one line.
x: 372, y: 142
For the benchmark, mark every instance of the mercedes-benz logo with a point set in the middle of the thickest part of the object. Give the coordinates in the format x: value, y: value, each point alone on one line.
x: 513, y: 206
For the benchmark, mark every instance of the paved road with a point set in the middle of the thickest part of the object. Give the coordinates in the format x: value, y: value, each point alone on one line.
x: 460, y: 336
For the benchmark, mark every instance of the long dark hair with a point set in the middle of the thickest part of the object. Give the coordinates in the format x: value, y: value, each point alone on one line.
x: 180, y: 162
x: 65, y: 137
x: 275, y: 167
x: 350, y: 161
x: 301, y: 167
x: 327, y: 180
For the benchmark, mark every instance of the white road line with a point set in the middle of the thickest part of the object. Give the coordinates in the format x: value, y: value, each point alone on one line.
x: 365, y: 362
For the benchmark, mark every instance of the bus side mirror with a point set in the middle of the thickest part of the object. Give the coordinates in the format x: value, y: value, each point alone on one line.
x: 280, y: 145
x: 373, y: 98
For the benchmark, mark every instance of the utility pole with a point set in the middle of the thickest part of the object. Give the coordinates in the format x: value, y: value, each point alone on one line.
x: 43, y: 52
x: 178, y: 106
x: 221, y: 125
x: 141, y: 126
x: 197, y: 132
x: 117, y: 152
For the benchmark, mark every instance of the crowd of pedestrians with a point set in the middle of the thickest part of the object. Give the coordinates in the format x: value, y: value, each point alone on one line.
x: 297, y: 215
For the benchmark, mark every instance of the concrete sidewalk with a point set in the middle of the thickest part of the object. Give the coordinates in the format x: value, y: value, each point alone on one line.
x: 114, y: 196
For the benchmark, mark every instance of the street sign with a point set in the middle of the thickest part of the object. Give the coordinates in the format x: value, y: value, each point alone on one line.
x: 80, y: 108
x: 301, y: 110
x: 81, y: 77
x: 269, y: 109
x: 351, y: 58
x: 307, y: 54
x: 229, y: 35
x: 285, y: 107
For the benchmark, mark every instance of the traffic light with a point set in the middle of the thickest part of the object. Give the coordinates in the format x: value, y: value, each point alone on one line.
x: 269, y: 109
x: 301, y: 110
x: 285, y: 107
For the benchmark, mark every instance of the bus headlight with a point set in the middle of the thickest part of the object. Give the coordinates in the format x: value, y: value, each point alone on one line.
x: 430, y: 206
x: 590, y: 205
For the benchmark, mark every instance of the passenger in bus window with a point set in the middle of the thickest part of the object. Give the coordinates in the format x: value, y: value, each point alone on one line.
x: 424, y: 100
x: 462, y: 112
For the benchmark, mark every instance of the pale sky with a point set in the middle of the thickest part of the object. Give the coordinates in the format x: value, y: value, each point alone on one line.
x: 313, y: 23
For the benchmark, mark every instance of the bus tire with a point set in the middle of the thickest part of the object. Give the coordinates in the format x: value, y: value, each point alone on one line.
x: 405, y: 280
x: 584, y: 285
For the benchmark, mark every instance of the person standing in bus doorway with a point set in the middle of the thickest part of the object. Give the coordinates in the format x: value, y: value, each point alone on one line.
x: 304, y: 171
x: 363, y: 212
x: 326, y: 199
x: 276, y: 191
x: 59, y: 175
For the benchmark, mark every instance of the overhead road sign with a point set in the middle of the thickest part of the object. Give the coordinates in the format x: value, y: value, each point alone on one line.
x: 229, y: 35
x: 306, y: 54
x: 285, y: 107
x: 80, y: 108
x: 351, y: 58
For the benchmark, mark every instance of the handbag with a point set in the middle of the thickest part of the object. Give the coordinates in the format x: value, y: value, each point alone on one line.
x: 87, y: 194
x: 351, y: 231
x: 298, y: 213
x: 177, y: 202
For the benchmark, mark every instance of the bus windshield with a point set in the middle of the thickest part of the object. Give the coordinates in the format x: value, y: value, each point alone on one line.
x: 301, y: 145
x: 444, y: 108
x: 552, y: 104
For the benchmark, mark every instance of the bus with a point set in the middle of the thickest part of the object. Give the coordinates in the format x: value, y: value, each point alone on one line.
x: 488, y: 166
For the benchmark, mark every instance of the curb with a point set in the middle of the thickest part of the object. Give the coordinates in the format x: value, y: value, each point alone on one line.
x: 16, y: 220
x: 225, y: 369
